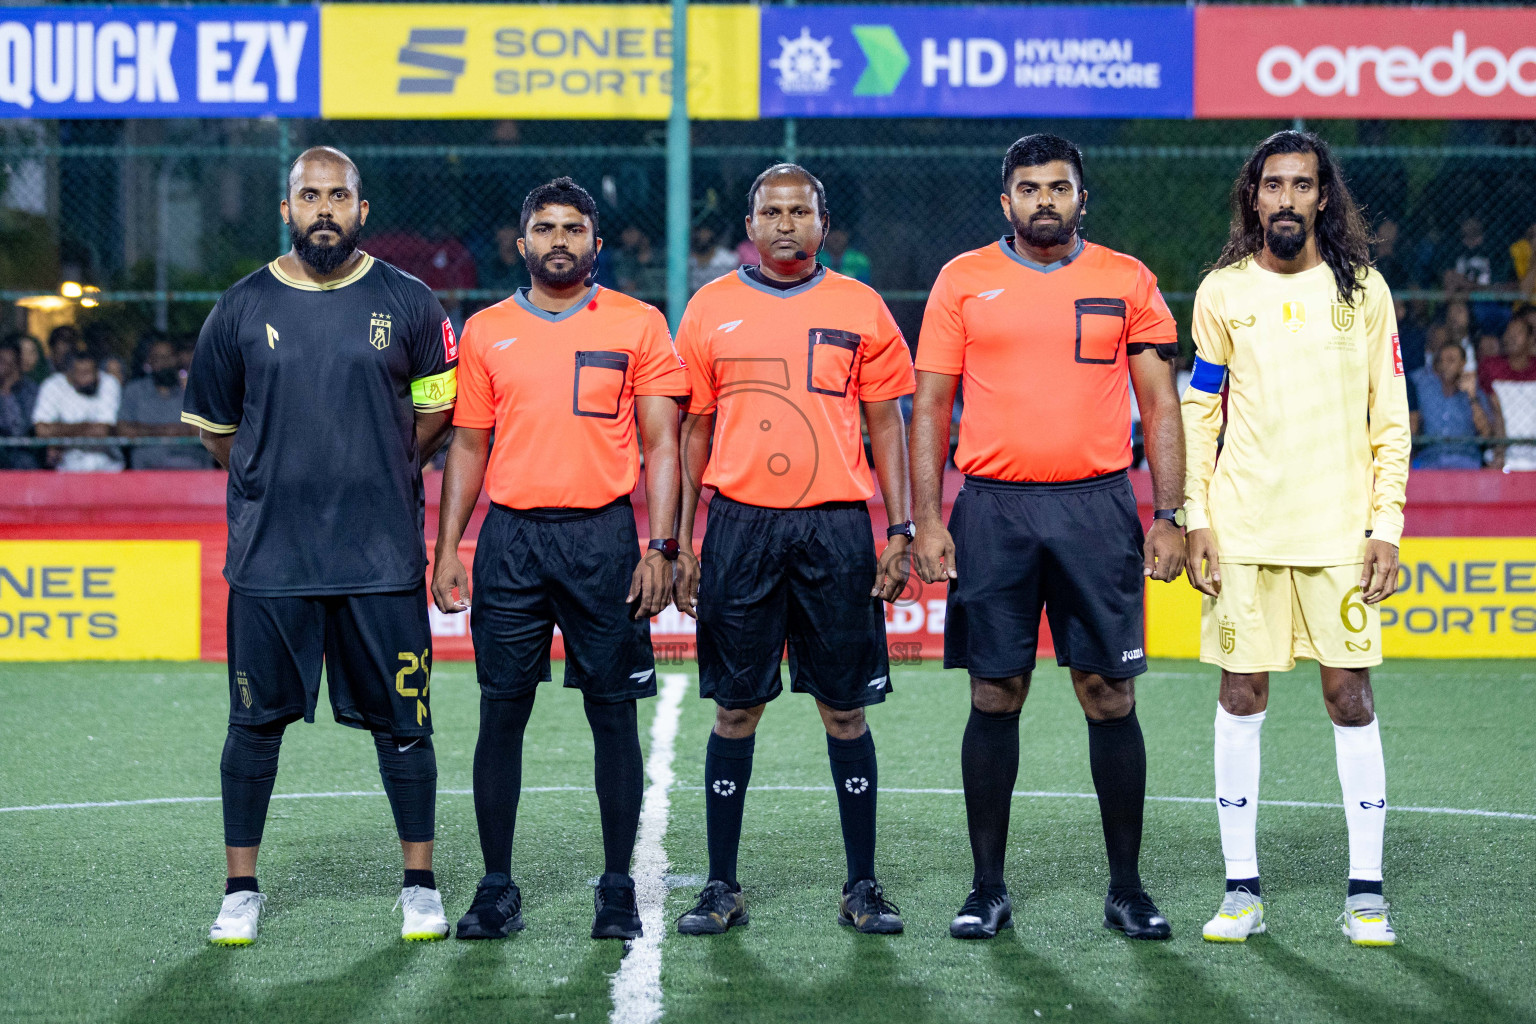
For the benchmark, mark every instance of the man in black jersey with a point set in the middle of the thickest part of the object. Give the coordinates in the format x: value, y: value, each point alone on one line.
x: 322, y: 382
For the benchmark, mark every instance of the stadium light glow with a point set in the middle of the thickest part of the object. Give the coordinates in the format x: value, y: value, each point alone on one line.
x: 70, y: 289
x: 43, y: 303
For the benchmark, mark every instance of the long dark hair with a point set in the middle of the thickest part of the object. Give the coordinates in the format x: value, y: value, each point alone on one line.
x: 1343, y: 237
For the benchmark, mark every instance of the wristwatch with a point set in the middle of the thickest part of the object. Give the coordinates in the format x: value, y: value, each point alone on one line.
x: 668, y: 548
x: 900, y: 530
x: 1173, y: 515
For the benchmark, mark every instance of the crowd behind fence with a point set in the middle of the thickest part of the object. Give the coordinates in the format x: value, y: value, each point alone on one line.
x: 163, y: 215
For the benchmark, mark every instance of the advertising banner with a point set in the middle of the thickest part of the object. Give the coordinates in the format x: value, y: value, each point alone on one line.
x: 76, y: 600
x: 1457, y: 597
x: 534, y: 61
x: 1333, y: 61
x: 119, y: 62
x: 867, y: 61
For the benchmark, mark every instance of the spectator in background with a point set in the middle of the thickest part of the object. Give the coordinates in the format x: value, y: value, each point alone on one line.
x: 152, y: 408
x: 113, y: 367
x: 503, y: 272
x: 80, y: 402
x: 63, y: 342
x: 33, y: 366
x: 637, y: 267
x: 18, y: 395
x: 843, y: 258
x: 708, y: 258
x: 1459, y: 330
x: 1448, y: 404
x: 1521, y: 251
x: 1473, y: 263
x: 1510, y: 382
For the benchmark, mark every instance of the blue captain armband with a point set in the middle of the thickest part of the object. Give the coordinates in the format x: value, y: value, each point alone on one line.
x: 1207, y: 377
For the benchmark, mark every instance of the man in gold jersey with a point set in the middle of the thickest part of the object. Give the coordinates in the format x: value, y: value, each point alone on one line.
x: 1293, y: 535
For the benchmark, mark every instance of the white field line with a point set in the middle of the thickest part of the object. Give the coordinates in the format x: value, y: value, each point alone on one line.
x: 636, y: 987
x: 1032, y: 793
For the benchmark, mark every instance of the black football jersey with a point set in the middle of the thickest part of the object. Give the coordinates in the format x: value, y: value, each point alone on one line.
x: 320, y: 385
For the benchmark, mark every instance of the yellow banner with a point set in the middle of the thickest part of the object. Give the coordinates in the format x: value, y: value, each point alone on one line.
x: 1457, y: 597
x: 588, y: 61
x: 68, y: 600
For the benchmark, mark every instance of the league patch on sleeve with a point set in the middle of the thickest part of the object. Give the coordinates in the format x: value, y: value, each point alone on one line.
x: 450, y: 343
x: 1397, y: 357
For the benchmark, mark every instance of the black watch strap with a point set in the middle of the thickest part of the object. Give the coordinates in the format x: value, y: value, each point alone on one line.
x: 668, y: 548
x: 1173, y: 515
x: 900, y: 530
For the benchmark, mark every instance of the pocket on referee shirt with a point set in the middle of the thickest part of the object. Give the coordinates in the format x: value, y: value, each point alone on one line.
x: 599, y: 383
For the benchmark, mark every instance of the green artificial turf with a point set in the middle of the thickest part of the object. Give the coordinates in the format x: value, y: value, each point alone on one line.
x: 104, y: 911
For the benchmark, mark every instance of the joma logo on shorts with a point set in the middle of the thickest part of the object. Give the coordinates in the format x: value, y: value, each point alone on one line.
x: 1130, y: 655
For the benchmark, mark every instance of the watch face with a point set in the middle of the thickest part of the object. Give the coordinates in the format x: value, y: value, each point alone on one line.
x: 1179, y: 518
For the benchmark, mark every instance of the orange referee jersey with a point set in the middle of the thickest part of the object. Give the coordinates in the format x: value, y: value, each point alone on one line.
x: 560, y: 390
x: 784, y: 373
x: 1041, y: 351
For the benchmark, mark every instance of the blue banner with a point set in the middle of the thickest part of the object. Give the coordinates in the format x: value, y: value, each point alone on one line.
x: 112, y: 62
x: 978, y: 61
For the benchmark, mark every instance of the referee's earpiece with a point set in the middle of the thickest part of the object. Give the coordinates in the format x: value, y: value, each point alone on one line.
x: 592, y: 277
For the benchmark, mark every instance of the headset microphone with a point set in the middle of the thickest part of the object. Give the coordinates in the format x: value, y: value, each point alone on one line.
x: 801, y: 254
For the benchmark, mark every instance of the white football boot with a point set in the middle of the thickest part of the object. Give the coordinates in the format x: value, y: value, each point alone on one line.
x: 238, y: 918
x: 1241, y: 915
x: 423, y: 910
x: 1367, y: 921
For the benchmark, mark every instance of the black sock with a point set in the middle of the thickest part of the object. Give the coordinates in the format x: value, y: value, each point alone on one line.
x: 243, y: 883
x: 1356, y: 887
x: 499, y: 777
x: 989, y: 766
x: 1251, y: 884
x: 425, y: 879
x: 620, y: 775
x: 856, y: 779
x: 408, y: 769
x: 1118, y: 756
x: 727, y: 769
x: 247, y: 772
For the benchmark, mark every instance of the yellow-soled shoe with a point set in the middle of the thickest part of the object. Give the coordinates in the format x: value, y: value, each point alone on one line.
x: 1241, y: 915
x: 1367, y: 920
x: 424, y: 918
x: 238, y: 920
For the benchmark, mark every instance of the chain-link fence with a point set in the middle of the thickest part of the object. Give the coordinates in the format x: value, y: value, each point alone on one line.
x: 162, y: 215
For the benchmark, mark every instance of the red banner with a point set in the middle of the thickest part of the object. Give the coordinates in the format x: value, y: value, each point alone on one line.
x: 190, y: 505
x: 1431, y: 62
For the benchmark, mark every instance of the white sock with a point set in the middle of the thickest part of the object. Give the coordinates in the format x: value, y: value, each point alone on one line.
x: 1363, y: 778
x: 1237, y: 790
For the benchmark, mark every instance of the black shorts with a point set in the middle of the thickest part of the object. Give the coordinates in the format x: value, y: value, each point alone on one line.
x: 1073, y: 547
x: 376, y: 648
x: 536, y: 569
x: 772, y: 575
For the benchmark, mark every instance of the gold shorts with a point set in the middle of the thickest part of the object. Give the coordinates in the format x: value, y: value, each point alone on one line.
x: 1267, y: 616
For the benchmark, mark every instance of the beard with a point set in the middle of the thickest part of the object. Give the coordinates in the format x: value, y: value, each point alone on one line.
x: 1285, y: 245
x: 579, y: 269
x: 324, y: 259
x: 1044, y: 233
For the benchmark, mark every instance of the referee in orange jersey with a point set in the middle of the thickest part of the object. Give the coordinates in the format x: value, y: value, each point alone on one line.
x: 782, y: 359
x: 1043, y: 328
x: 561, y: 372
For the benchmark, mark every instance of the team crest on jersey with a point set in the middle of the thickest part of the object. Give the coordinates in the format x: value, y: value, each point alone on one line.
x: 379, y: 325
x: 1341, y: 316
x: 1294, y: 315
x: 1228, y: 631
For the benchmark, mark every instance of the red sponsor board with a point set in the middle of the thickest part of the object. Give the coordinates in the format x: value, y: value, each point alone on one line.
x: 1431, y: 62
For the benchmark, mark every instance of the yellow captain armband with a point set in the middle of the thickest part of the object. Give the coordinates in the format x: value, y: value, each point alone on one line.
x: 437, y: 392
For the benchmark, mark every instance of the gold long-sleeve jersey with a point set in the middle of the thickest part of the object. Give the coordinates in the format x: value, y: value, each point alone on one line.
x: 1317, y: 443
